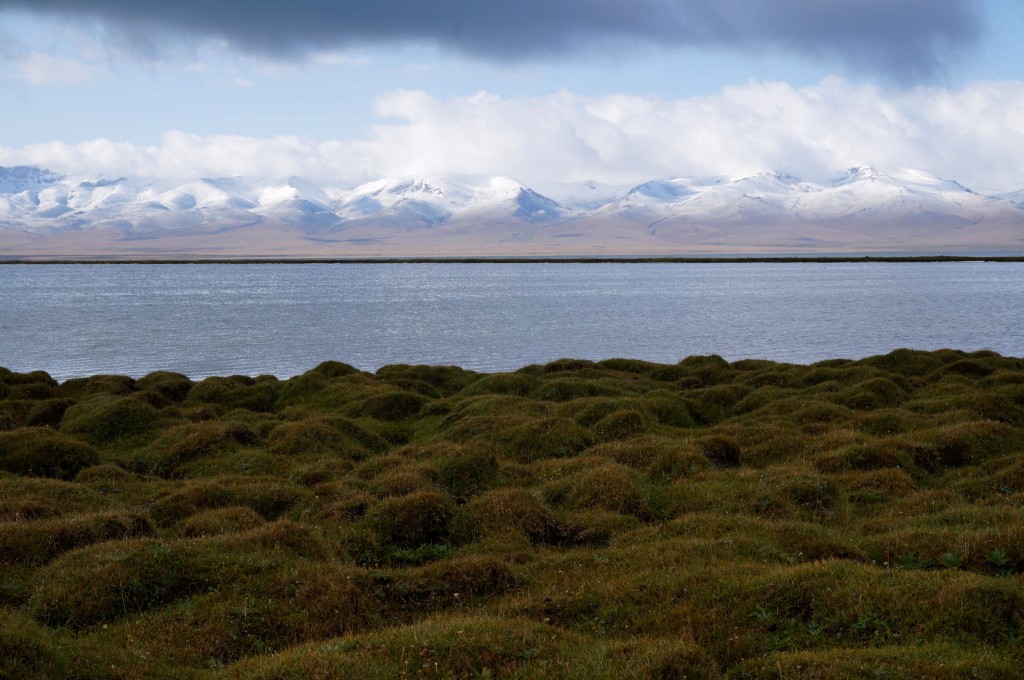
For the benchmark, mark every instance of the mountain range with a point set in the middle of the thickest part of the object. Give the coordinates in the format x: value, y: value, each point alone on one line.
x: 861, y: 210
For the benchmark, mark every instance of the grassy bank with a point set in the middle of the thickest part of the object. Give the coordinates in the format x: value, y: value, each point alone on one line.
x: 577, y: 519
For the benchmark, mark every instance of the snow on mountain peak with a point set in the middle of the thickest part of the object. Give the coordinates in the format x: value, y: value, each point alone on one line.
x: 583, y: 196
x: 768, y: 183
x: 417, y: 195
x: 858, y: 173
x: 534, y: 207
x: 666, y: 191
x: 902, y: 179
x: 928, y: 182
x: 202, y: 194
x: 858, y: 201
x: 437, y: 196
x: 14, y: 180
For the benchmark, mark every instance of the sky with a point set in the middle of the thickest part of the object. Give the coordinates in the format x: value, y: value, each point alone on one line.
x: 343, y: 92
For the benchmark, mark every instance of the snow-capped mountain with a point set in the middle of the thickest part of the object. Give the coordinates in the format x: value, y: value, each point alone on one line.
x: 862, y: 209
x: 865, y: 194
x: 435, y: 200
x: 758, y: 198
x: 24, y: 178
x: 582, y: 196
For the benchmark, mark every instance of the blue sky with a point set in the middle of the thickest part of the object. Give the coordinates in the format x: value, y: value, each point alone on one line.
x: 615, y: 91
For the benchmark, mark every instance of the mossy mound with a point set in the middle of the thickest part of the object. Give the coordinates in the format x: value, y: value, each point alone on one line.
x: 109, y: 581
x: 466, y: 470
x: 111, y: 385
x: 401, y: 481
x: 566, y: 389
x: 544, y: 438
x: 606, y: 487
x: 31, y: 651
x: 103, y: 474
x: 494, y: 406
x: 938, y: 661
x: 268, y: 496
x: 48, y: 412
x: 172, y: 386
x: 322, y: 436
x: 240, y: 392
x: 515, y: 384
x: 609, y: 519
x: 187, y: 442
x: 41, y: 541
x: 721, y: 449
x: 389, y: 405
x: 446, y: 380
x: 33, y: 391
x: 516, y: 509
x: 415, y: 519
x: 220, y: 521
x: 478, y: 645
x: 29, y: 498
x: 105, y: 420
x: 41, y: 452
x: 875, y: 393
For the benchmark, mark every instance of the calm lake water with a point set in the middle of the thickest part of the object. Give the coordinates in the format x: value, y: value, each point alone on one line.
x: 76, y: 320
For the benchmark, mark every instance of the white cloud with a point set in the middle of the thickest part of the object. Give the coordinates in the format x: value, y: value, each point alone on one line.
x: 199, y: 67
x: 40, y: 68
x: 974, y: 135
x: 338, y: 59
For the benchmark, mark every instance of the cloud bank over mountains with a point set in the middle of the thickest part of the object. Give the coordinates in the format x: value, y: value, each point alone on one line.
x: 975, y: 134
x: 905, y: 41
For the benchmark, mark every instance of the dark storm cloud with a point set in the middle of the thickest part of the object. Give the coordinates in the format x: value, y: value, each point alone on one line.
x: 906, y: 39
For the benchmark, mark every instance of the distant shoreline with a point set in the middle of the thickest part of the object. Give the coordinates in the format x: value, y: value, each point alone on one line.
x: 541, y: 260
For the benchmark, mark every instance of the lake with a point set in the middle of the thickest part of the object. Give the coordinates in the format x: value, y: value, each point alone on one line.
x: 283, y: 319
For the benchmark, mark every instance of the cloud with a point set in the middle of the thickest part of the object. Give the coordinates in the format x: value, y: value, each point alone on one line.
x: 906, y: 40
x: 974, y: 135
x: 339, y: 59
x: 44, y: 69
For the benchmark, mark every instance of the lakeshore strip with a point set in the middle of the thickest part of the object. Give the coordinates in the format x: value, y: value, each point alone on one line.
x: 541, y: 260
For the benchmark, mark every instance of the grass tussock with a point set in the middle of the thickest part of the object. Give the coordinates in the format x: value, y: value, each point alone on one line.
x: 41, y: 452
x: 609, y: 519
x: 414, y: 520
x: 268, y: 496
x: 104, y: 420
x: 109, y: 581
x: 219, y: 521
x: 466, y: 470
x: 38, y: 542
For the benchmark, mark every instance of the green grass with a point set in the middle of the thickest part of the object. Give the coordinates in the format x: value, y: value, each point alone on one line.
x: 612, y: 519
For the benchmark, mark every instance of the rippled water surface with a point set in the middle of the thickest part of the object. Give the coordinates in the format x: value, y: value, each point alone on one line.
x: 75, y: 320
